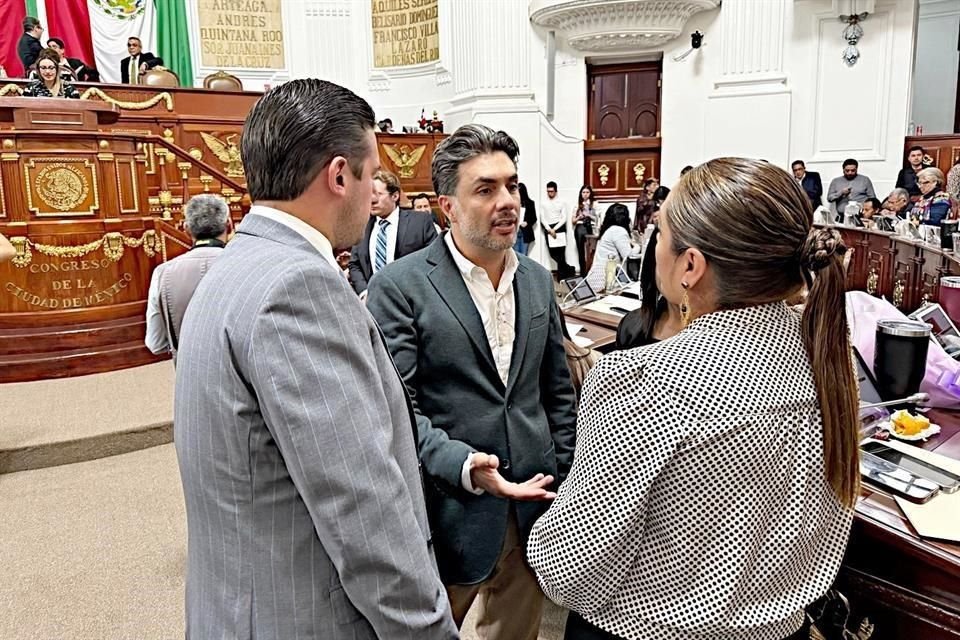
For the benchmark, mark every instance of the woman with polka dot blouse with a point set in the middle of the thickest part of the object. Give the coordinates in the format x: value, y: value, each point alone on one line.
x: 713, y: 485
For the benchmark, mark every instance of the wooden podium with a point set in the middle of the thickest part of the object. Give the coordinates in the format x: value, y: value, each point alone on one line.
x: 56, y: 113
x: 74, y: 201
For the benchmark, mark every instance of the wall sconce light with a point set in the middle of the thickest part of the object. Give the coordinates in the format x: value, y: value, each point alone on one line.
x: 852, y: 34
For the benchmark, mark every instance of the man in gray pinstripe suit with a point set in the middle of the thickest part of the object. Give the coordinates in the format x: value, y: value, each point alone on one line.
x: 295, y: 437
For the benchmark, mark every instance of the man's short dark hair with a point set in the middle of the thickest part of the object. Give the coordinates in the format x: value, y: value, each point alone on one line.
x: 58, y: 42
x: 420, y: 196
x: 850, y: 161
x: 798, y: 162
x: 206, y: 215
x: 30, y: 23
x: 875, y: 202
x: 466, y: 143
x: 298, y: 128
x: 552, y: 185
x: 916, y: 147
x: 135, y: 38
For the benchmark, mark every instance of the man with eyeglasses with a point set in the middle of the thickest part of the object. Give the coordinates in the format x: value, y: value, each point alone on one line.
x: 137, y: 63
x: 475, y: 332
x: 73, y: 68
x: 29, y: 47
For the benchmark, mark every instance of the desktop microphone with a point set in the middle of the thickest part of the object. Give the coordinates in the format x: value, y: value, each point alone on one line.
x: 917, y: 398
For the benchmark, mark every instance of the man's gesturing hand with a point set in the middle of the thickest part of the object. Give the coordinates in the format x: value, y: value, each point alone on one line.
x: 484, y: 475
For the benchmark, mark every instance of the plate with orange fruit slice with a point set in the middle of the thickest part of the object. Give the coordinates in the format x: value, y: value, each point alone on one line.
x: 906, y: 426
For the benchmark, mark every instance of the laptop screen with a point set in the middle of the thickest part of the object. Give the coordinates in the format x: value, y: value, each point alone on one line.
x: 580, y: 289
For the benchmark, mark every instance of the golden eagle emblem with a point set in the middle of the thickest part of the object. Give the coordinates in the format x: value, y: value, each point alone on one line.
x: 405, y: 158
x: 227, y: 152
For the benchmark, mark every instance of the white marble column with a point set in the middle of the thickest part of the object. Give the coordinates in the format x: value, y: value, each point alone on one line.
x: 748, y: 112
x: 492, y: 62
x: 752, y: 46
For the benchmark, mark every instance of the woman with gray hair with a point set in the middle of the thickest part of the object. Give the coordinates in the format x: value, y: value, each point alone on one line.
x: 712, y: 490
x: 934, y: 204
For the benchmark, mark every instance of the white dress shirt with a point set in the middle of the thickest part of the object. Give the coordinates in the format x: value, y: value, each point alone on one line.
x: 394, y: 220
x: 310, y: 234
x: 554, y: 214
x: 134, y: 69
x: 156, y: 339
x: 498, y: 313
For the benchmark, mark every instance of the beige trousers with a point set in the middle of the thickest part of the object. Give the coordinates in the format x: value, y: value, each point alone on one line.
x: 511, y: 603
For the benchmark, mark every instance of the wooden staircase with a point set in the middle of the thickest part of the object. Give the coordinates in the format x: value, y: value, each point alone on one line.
x: 38, y: 353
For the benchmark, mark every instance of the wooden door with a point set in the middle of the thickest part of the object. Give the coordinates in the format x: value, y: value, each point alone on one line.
x: 624, y: 101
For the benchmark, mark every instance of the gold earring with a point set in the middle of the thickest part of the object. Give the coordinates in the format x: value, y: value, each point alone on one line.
x: 685, y: 309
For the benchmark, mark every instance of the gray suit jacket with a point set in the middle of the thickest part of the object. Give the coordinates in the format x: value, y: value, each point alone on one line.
x: 437, y: 339
x: 296, y: 447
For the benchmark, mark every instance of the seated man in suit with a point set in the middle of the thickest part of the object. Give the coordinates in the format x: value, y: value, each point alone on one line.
x: 475, y: 332
x: 74, y: 69
x: 137, y: 63
x: 206, y: 218
x: 809, y: 182
x: 398, y: 232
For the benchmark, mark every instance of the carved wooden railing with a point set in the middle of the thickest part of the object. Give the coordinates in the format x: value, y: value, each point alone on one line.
x: 191, y: 175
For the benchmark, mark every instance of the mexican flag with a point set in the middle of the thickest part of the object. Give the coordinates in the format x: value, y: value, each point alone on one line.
x: 96, y: 31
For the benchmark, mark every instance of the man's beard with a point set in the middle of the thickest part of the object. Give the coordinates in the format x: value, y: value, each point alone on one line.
x: 485, y: 240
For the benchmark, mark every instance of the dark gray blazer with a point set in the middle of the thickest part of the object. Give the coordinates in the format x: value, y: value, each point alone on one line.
x: 297, y: 452
x: 415, y: 231
x: 437, y: 340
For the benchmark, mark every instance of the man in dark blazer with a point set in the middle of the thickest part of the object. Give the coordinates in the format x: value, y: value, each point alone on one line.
x: 475, y: 332
x: 296, y: 440
x: 29, y: 47
x: 810, y: 181
x: 137, y: 63
x: 75, y: 69
x: 391, y: 232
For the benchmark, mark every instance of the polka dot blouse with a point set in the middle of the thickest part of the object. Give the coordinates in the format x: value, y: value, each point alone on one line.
x: 697, y: 505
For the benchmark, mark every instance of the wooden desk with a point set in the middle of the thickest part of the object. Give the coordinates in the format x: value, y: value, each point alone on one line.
x: 599, y: 327
x: 909, y: 587
x: 905, y: 271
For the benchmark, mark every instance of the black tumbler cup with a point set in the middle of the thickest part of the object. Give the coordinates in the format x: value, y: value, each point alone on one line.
x: 900, y: 358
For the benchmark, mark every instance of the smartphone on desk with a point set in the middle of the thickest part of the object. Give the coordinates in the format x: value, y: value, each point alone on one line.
x: 896, y: 480
x: 948, y: 482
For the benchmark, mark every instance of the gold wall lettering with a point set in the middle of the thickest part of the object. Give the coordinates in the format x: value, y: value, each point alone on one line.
x: 405, y: 158
x: 227, y: 151
x: 76, y: 293
x: 61, y: 186
x: 241, y: 34
x: 405, y: 32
